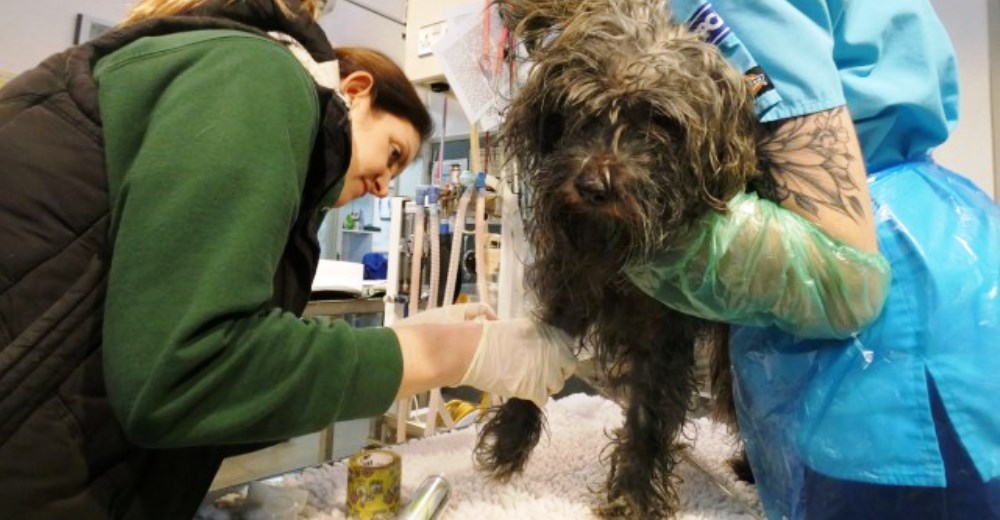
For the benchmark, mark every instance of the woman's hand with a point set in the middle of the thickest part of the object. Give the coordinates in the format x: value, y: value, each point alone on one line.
x: 512, y: 358
x: 521, y: 358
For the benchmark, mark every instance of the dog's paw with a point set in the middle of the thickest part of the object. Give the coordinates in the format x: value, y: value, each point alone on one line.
x: 740, y: 465
x: 618, y: 508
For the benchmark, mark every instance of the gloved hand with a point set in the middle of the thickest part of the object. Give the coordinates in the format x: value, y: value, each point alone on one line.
x: 451, y: 314
x: 521, y: 358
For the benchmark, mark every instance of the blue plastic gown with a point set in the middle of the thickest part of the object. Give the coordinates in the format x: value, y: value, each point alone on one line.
x: 858, y: 409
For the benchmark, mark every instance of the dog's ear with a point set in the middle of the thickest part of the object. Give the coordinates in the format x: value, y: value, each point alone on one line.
x: 532, y: 21
x: 708, y: 107
x: 531, y: 127
x: 550, y: 132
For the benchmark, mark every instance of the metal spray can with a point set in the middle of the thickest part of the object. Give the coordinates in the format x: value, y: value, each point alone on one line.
x: 428, y: 500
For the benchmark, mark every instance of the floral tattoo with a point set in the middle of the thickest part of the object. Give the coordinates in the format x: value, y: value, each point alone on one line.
x: 809, y: 163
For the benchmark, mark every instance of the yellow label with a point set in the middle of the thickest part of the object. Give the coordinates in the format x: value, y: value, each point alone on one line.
x: 373, y: 480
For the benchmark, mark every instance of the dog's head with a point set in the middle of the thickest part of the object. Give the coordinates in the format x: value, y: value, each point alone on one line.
x: 627, y: 129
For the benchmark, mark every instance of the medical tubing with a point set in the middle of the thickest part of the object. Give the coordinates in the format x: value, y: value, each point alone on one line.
x: 481, y: 282
x: 418, y: 252
x: 439, y: 171
x: 458, y: 233
x: 435, y: 225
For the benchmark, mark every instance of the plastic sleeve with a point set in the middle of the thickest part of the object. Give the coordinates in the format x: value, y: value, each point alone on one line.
x: 761, y: 265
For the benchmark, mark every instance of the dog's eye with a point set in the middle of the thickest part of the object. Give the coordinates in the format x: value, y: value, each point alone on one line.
x: 669, y: 127
x: 551, y: 131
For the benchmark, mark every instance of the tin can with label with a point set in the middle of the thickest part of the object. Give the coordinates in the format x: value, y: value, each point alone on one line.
x: 373, y: 482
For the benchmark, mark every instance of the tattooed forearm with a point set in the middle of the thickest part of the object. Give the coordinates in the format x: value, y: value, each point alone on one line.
x: 813, y: 162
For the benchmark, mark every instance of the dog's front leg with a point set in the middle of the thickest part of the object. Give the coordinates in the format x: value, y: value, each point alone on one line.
x: 658, y: 385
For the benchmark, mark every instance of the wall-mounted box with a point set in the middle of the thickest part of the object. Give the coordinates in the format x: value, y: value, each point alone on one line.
x: 425, y: 24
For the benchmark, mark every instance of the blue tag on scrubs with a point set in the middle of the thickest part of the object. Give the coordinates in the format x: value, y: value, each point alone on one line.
x: 760, y: 83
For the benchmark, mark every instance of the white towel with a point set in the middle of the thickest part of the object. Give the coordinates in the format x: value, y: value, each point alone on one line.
x: 562, y: 480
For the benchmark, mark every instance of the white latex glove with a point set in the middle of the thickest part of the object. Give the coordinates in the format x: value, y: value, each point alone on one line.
x: 451, y: 314
x: 521, y: 358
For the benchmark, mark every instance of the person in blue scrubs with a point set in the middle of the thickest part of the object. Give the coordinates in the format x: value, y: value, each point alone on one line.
x: 897, y: 420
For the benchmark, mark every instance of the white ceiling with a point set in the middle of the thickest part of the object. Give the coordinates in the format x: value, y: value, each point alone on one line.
x: 393, y: 8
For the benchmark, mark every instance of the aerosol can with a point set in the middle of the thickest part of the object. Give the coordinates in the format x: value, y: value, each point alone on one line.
x: 428, y: 500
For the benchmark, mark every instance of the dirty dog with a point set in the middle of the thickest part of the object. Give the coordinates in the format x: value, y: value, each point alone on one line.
x: 628, y: 129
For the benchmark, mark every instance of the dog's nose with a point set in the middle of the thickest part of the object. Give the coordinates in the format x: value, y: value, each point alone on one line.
x: 594, y: 184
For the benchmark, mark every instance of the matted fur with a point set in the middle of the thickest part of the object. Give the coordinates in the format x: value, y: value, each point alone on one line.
x: 627, y: 130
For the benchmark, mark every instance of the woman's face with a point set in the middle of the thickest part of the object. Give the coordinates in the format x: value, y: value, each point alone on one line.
x: 382, y: 144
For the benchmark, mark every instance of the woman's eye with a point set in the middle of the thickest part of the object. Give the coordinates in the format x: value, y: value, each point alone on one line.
x: 394, y: 156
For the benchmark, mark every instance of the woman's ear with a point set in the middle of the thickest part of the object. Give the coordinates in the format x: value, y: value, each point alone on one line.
x: 357, y: 84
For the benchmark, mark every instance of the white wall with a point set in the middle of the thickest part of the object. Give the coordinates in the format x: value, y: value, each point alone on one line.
x: 970, y: 150
x: 994, y: 53
x: 31, y: 31
x: 351, y: 24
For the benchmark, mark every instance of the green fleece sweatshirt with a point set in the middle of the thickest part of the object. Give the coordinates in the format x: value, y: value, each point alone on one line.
x: 208, y: 136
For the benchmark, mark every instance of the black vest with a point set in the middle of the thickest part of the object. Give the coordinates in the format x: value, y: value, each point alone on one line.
x: 62, y: 451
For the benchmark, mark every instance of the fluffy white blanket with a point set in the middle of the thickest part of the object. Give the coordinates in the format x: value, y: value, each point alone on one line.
x: 562, y: 480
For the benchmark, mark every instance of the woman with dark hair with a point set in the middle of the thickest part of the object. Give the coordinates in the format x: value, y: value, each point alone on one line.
x: 162, y: 188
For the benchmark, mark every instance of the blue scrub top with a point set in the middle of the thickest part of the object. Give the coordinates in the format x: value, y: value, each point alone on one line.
x: 859, y: 409
x: 889, y: 61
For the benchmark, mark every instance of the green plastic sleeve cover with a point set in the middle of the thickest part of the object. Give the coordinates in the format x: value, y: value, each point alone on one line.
x: 760, y: 264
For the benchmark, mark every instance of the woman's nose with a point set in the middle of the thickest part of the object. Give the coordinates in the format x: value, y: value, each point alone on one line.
x: 382, y: 184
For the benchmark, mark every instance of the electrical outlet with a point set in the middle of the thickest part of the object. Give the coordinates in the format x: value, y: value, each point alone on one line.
x: 428, y: 35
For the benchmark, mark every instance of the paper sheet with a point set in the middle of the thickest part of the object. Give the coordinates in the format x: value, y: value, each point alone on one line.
x: 480, y: 81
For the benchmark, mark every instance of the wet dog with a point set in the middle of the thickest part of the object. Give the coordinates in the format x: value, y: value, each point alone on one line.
x: 628, y: 129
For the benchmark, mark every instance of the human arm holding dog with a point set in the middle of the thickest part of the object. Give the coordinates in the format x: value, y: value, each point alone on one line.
x: 815, y: 168
x: 810, y: 266
x: 810, y: 152
x: 760, y: 264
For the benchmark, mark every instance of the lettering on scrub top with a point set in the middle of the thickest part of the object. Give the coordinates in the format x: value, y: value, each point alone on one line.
x: 708, y: 24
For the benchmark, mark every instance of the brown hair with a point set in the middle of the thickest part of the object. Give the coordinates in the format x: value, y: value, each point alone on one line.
x: 391, y: 91
x: 151, y: 8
